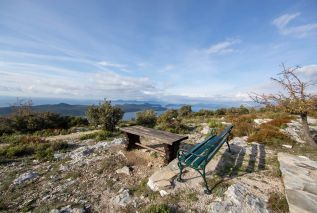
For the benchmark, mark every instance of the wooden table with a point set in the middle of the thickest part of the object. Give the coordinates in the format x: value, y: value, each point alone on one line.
x: 169, y: 141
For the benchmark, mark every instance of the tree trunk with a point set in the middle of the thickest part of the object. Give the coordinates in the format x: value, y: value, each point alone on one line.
x: 307, y: 134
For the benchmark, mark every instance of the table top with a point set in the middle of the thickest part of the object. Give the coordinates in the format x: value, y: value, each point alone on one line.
x: 159, y: 135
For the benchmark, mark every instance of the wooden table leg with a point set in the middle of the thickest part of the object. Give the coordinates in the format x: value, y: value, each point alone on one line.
x: 132, y: 139
x: 171, y: 151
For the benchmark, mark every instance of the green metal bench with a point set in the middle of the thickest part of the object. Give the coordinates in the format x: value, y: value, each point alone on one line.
x: 200, y: 155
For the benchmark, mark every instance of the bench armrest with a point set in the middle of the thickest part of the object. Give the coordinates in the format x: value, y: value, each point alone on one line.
x: 181, y: 152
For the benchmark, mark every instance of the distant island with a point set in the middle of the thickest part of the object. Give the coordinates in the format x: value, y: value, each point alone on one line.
x: 79, y: 110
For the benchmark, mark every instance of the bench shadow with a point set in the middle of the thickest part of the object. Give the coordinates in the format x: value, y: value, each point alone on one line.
x: 231, y: 165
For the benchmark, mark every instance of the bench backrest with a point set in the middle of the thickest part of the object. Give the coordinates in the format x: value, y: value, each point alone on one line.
x: 222, y: 138
x: 208, y: 148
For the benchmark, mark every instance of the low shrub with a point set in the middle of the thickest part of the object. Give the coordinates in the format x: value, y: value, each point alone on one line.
x: 30, y: 145
x: 205, y: 113
x: 169, y: 121
x: 221, y: 111
x: 278, y: 122
x: 270, y: 135
x: 215, y: 125
x: 243, y: 125
x: 146, y: 118
x: 37, y: 121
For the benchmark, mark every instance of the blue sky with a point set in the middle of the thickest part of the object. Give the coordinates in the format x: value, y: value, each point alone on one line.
x: 147, y: 50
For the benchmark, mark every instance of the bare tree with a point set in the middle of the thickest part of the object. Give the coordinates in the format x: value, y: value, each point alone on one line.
x: 22, y: 107
x: 294, y: 99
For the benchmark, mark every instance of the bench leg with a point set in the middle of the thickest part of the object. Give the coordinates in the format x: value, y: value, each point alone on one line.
x: 203, y: 175
x: 171, y: 151
x: 228, y: 146
x: 181, y: 167
x: 132, y: 139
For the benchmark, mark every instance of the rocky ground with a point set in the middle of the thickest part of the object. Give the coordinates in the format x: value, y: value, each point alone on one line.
x: 103, y: 177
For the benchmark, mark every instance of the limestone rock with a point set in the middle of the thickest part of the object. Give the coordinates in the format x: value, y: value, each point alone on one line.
x: 260, y: 121
x: 68, y: 209
x: 287, y: 146
x: 162, y: 178
x: 122, y: 199
x: 300, y: 180
x: 205, y: 130
x: 163, y: 193
x: 25, y: 177
x: 124, y: 170
x: 237, y: 199
x: 294, y: 130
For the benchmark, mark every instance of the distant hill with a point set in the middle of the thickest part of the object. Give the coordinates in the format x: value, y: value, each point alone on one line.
x: 79, y: 110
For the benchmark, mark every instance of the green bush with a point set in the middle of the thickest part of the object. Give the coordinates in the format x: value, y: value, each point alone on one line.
x: 38, y: 121
x: 146, y: 118
x: 242, y: 110
x: 169, y: 121
x: 221, y: 111
x: 205, y: 113
x: 105, y: 115
x: 185, y: 111
x: 216, y: 126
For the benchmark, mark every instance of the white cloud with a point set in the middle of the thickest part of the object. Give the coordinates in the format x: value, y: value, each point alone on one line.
x: 47, y: 81
x: 309, y: 69
x: 283, y: 20
x: 111, y: 65
x: 222, y: 47
x: 282, y: 24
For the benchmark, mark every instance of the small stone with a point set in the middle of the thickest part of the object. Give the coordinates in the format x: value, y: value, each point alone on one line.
x: 63, y: 168
x: 287, y: 146
x: 124, y: 170
x: 163, y: 193
x: 122, y: 199
x: 260, y: 121
x: 25, y: 177
x: 205, y: 130
x: 58, y: 156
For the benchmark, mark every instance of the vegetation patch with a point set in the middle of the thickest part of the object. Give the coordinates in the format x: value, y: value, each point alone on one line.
x: 146, y: 118
x: 217, y: 185
x: 21, y: 146
x: 270, y: 135
x: 278, y: 203
x: 243, y: 124
x: 143, y: 189
x: 100, y: 136
x: 169, y: 121
x: 157, y: 208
